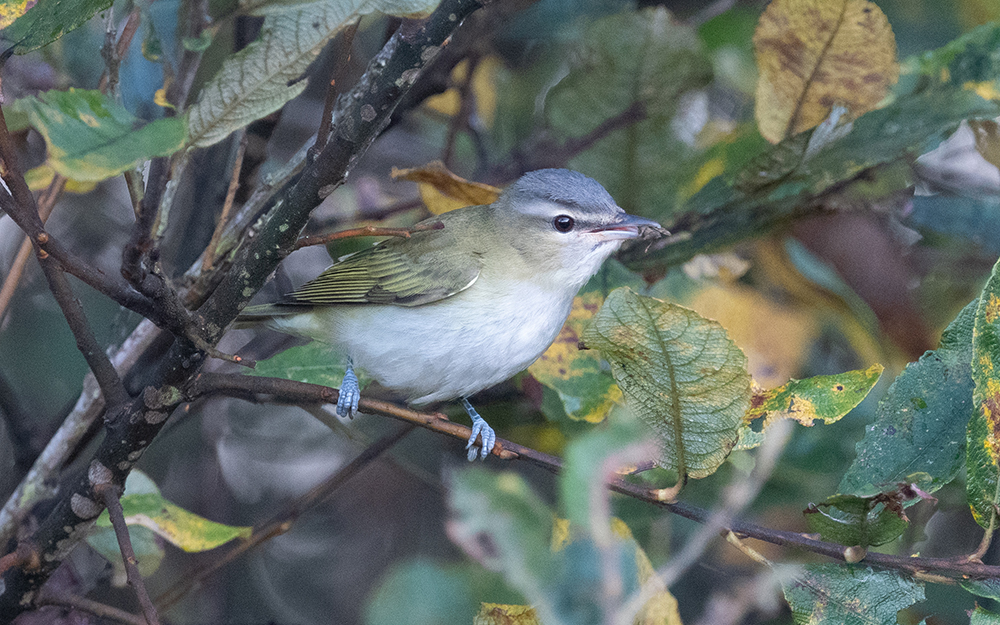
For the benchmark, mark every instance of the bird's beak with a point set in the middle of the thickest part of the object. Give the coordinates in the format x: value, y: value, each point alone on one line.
x: 630, y: 227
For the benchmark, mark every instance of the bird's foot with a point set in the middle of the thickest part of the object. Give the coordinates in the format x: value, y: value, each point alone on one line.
x: 350, y: 393
x: 479, y: 428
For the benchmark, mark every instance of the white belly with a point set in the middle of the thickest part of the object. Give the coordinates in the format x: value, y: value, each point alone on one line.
x: 451, y: 348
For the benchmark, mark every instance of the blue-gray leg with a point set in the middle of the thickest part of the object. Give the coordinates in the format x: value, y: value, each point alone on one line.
x: 479, y: 428
x: 350, y: 393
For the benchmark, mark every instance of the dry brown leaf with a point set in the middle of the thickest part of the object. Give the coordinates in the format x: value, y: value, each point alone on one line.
x: 442, y: 191
x: 814, y: 54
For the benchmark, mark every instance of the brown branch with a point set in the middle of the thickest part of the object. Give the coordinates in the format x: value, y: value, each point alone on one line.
x: 96, y: 608
x: 344, y: 47
x: 282, y: 522
x: 365, y: 231
x: 99, y: 363
x: 110, y: 493
x: 114, y: 53
x: 256, y: 388
x: 46, y: 202
x: 234, y: 182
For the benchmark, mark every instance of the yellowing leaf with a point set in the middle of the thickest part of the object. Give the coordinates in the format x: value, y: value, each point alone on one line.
x: 587, y: 392
x: 10, y: 10
x: 497, y: 614
x: 813, y: 54
x: 775, y: 337
x: 983, y: 434
x: 41, y: 177
x: 679, y: 373
x: 443, y: 191
x: 90, y: 137
x: 826, y: 397
x: 183, y: 529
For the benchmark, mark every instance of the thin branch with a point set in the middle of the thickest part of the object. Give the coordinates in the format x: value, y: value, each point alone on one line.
x: 343, y: 57
x: 111, y: 494
x: 113, y: 56
x: 46, y: 202
x: 365, y: 231
x: 90, y: 606
x: 132, y: 428
x: 99, y: 363
x: 227, y: 206
x: 40, y: 482
x: 282, y: 522
x: 263, y: 388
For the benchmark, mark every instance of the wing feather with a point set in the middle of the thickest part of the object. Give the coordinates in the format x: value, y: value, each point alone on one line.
x: 406, y: 272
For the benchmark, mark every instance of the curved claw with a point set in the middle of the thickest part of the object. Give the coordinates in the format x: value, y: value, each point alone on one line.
x: 350, y: 394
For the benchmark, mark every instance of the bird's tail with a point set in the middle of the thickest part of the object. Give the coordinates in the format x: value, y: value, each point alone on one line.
x: 264, y: 313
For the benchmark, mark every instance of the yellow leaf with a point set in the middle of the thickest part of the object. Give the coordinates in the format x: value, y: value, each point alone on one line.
x: 497, y: 614
x: 814, y: 54
x: 41, y: 177
x: 10, y: 10
x: 443, y: 191
x: 484, y: 82
x: 774, y: 337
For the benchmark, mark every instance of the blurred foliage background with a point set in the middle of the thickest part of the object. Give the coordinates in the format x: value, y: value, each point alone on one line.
x: 874, y: 276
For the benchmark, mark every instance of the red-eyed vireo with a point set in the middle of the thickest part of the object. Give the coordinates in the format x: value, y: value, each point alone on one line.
x: 451, y: 311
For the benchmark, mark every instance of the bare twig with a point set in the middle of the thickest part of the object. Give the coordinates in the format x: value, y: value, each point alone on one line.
x: 282, y: 522
x: 343, y: 57
x: 111, y: 493
x: 46, y: 202
x: 234, y: 181
x: 361, y: 116
x: 366, y: 231
x: 114, y: 55
x: 737, y: 497
x: 96, y: 608
x: 256, y: 388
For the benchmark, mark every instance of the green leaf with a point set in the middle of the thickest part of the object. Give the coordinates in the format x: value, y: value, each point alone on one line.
x: 989, y: 588
x: 918, y: 435
x: 983, y: 446
x: 720, y: 214
x: 837, y: 594
x: 183, y: 529
x: 90, y: 137
x: 680, y: 374
x: 423, y: 592
x: 501, y: 523
x: 313, y: 363
x: 643, y: 59
x: 148, y: 549
x: 982, y: 616
x: 826, y: 397
x: 262, y: 77
x: 973, y: 57
x: 49, y: 20
x: 864, y: 521
x: 591, y: 460
x: 587, y: 391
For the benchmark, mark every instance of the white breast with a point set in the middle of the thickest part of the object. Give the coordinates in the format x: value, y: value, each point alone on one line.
x: 455, y: 347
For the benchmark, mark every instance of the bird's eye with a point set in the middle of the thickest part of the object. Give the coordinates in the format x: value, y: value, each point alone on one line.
x: 563, y: 223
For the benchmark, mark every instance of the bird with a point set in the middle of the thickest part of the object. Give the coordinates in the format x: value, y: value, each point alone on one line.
x: 471, y: 298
